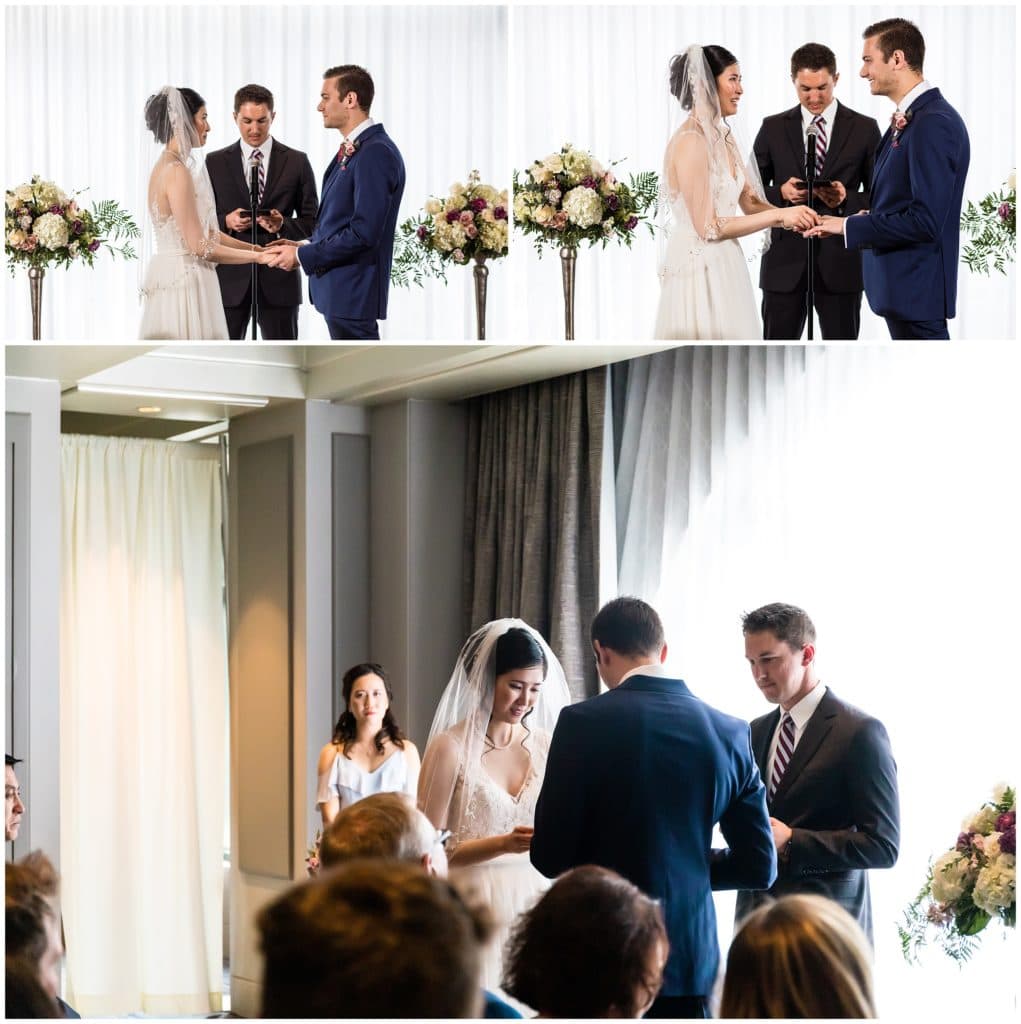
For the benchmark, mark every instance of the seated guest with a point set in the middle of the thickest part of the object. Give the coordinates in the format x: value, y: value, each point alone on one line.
x: 372, y: 938
x: 24, y: 995
x: 593, y: 946
x: 390, y: 825
x: 802, y: 956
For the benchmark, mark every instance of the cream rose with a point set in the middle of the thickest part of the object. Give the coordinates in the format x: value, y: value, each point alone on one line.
x: 553, y: 163
x: 433, y: 206
x: 543, y: 215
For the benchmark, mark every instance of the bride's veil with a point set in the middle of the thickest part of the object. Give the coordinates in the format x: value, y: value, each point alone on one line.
x: 457, y: 740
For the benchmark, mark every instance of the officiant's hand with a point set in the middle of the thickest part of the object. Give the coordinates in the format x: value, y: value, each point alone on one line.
x: 238, y: 220
x: 832, y: 195
x: 792, y: 192
x: 519, y: 840
x: 272, y: 221
x: 826, y: 226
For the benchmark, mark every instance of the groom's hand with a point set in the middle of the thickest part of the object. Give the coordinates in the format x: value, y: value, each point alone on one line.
x: 826, y: 226
x: 284, y: 254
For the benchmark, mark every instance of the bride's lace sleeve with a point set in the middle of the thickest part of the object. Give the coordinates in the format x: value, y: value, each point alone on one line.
x: 437, y: 779
x: 180, y: 187
x: 691, y: 178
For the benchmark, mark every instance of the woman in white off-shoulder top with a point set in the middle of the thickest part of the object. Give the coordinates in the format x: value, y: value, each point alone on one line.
x: 368, y: 753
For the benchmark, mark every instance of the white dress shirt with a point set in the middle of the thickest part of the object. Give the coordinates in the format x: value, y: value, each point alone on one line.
x: 246, y: 158
x: 800, y: 713
x: 358, y: 129
x: 807, y: 117
x: 652, y: 669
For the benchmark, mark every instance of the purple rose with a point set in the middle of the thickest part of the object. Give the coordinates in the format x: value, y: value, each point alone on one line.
x: 1008, y: 842
x: 55, y: 208
x: 1004, y: 211
x: 632, y: 223
x: 500, y: 213
x: 964, y: 842
x: 423, y: 233
x: 93, y: 246
x: 478, y: 204
x: 1006, y: 820
x: 77, y: 227
x: 613, y: 201
x: 453, y: 215
x: 589, y: 182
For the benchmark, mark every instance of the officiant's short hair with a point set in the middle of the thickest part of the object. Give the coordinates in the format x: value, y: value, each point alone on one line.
x: 813, y: 57
x: 628, y: 626
x: 352, y: 78
x: 899, y: 34
x: 253, y: 94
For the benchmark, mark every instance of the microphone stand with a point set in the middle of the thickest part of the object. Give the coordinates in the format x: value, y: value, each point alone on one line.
x: 253, y: 195
x: 810, y: 182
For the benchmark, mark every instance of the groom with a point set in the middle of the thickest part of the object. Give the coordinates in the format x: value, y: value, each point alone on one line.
x: 348, y: 255
x: 635, y: 781
x: 911, y: 236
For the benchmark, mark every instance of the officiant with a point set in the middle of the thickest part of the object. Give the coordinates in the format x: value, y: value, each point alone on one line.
x: 846, y: 144
x: 288, y: 202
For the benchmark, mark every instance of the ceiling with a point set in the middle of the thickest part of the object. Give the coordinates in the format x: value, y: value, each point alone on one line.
x: 208, y: 384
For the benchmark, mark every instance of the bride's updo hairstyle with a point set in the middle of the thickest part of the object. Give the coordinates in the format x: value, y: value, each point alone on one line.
x: 346, y: 729
x: 717, y: 57
x: 156, y: 119
x: 517, y: 649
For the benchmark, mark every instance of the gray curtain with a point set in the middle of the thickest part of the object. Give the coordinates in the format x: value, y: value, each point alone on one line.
x: 532, y: 513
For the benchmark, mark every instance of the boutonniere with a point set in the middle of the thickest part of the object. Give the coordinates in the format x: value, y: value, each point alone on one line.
x: 347, y: 150
x: 898, y: 122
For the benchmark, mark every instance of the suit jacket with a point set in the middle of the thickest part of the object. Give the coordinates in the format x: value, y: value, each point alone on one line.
x: 635, y: 781
x: 911, y: 235
x: 780, y: 154
x: 839, y: 795
x: 350, y: 252
x: 291, y: 189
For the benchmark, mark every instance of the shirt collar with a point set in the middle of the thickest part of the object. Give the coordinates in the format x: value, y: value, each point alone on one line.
x: 923, y: 86
x: 829, y: 113
x: 247, y: 151
x: 803, y: 710
x: 356, y: 131
x: 652, y: 669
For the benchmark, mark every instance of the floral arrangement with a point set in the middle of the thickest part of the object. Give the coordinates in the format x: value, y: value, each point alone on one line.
x: 569, y: 197
x: 992, y: 226
x: 969, y: 885
x: 45, y: 226
x: 470, y: 223
x: 312, y: 854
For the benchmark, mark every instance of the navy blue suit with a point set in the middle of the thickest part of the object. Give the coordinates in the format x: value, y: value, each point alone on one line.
x: 350, y: 251
x: 911, y: 235
x: 635, y: 781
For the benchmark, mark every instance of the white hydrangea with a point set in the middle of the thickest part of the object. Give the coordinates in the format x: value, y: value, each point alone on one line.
x: 583, y: 207
x: 494, y: 235
x: 554, y: 163
x: 457, y: 189
x: 995, y: 885
x: 522, y: 210
x: 23, y: 193
x: 950, y: 876
x: 433, y: 206
x: 578, y: 164
x: 488, y: 193
x: 51, y: 230
x: 983, y: 822
x: 49, y: 194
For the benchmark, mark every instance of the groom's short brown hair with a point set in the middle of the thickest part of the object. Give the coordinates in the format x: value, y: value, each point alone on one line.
x: 899, y: 34
x: 630, y: 627
x: 352, y: 78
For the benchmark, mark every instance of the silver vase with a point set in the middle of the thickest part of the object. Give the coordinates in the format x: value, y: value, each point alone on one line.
x: 480, y: 272
x: 35, y: 283
x: 568, y: 256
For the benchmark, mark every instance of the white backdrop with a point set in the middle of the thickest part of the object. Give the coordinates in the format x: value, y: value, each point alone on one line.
x: 77, y: 79
x: 597, y: 77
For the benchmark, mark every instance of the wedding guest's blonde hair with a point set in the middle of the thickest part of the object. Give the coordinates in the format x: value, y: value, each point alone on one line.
x: 800, y: 956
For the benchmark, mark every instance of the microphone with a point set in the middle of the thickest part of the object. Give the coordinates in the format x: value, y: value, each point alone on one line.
x: 253, y: 185
x: 813, y: 132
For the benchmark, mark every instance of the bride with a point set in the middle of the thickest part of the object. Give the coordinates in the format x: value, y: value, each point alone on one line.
x: 706, y: 289
x: 484, y: 765
x: 180, y: 290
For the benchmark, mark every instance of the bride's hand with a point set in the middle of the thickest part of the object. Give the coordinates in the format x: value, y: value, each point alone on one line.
x: 799, y: 218
x: 519, y: 840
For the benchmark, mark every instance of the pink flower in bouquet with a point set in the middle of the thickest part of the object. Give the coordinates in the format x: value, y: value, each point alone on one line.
x: 964, y: 841
x: 609, y: 179
x: 471, y: 230
x: 632, y: 223
x: 478, y: 204
x: 467, y: 217
x: 453, y: 216
x: 458, y: 256
x: 1006, y: 820
x: 612, y: 202
x: 93, y: 246
x: 559, y: 221
x: 77, y: 227
x: 1004, y: 211
x: 422, y: 232
x: 25, y: 221
x: 56, y: 208
x: 500, y: 213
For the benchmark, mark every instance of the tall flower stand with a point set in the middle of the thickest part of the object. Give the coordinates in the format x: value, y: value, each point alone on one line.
x: 35, y: 283
x: 481, y: 273
x: 568, y: 257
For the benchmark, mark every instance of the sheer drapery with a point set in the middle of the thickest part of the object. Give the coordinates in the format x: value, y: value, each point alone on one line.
x: 532, y: 488
x: 603, y: 86
x: 440, y: 75
x: 874, y: 487
x: 143, y: 718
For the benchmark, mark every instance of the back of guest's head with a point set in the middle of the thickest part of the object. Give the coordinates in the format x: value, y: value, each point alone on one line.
x: 787, y: 622
x: 800, y: 956
x: 899, y: 34
x: 372, y: 939
x: 25, y: 997
x: 813, y: 57
x: 30, y: 892
x: 387, y: 825
x: 719, y: 58
x: 593, y: 946
x: 352, y: 78
x: 628, y: 626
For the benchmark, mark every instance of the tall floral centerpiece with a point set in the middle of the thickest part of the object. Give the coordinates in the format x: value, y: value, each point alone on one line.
x: 970, y: 885
x: 469, y: 225
x: 992, y: 228
x: 568, y: 198
x: 45, y: 227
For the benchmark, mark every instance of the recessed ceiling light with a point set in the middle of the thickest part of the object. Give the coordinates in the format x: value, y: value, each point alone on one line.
x: 149, y: 408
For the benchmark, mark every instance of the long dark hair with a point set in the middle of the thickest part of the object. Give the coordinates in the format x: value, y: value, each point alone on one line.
x: 346, y: 729
x: 717, y: 57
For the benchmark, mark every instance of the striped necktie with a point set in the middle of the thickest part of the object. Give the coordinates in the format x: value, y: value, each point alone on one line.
x: 784, y: 750
x: 257, y: 157
x: 820, y: 143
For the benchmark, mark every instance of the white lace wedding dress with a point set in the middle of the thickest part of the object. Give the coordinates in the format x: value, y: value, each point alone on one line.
x: 706, y: 289
x: 508, y: 884
x: 180, y: 290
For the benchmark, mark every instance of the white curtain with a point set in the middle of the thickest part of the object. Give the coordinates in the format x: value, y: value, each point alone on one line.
x: 876, y: 488
x: 143, y: 718
x: 77, y: 78
x: 597, y: 76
